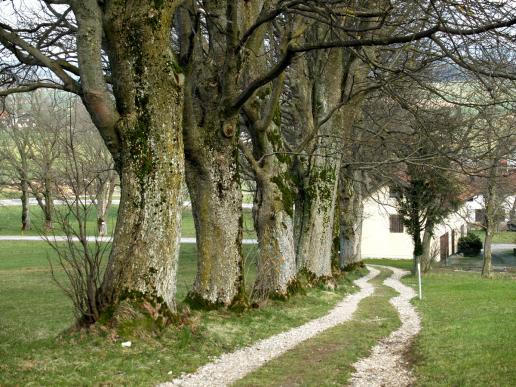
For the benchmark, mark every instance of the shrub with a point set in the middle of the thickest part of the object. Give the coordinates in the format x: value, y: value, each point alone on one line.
x: 470, y: 245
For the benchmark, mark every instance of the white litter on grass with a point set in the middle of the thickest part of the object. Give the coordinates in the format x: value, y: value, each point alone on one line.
x: 230, y: 367
x: 386, y: 366
x: 126, y: 344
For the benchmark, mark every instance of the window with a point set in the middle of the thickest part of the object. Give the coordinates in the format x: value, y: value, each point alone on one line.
x: 395, y: 223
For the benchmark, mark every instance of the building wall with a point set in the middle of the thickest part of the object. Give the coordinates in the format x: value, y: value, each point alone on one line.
x: 379, y: 242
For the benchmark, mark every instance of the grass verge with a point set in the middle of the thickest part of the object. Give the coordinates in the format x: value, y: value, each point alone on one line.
x: 326, y: 360
x: 498, y: 237
x: 34, y: 313
x: 468, y: 330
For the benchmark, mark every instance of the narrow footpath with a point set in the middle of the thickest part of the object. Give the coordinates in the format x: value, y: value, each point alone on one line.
x: 230, y: 367
x: 386, y: 366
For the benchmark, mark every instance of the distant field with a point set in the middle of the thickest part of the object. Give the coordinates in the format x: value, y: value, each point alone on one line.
x: 499, y: 237
x: 10, y: 222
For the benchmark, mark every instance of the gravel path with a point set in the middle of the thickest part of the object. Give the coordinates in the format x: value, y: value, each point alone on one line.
x: 233, y: 366
x: 386, y: 366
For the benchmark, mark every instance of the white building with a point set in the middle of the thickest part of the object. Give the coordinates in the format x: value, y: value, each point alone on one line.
x: 476, y: 207
x: 384, y: 236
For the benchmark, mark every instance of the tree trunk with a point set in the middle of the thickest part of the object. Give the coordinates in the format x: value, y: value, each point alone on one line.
x: 319, y: 187
x: 426, y: 257
x: 48, y: 208
x: 316, y: 234
x: 25, y: 218
x: 273, y: 215
x: 103, y: 203
x: 491, y: 204
x: 150, y: 159
x: 351, y: 209
x: 338, y: 104
x: 214, y: 185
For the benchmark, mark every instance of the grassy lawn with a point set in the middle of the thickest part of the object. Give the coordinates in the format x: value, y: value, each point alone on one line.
x: 10, y: 222
x: 499, y: 237
x: 34, y: 313
x: 468, y: 335
x: 326, y: 360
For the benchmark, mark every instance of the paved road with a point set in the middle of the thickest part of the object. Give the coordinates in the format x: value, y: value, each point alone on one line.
x: 503, y: 246
x: 92, y: 239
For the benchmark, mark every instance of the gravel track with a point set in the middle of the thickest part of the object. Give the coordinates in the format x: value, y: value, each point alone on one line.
x: 386, y: 366
x: 230, y: 367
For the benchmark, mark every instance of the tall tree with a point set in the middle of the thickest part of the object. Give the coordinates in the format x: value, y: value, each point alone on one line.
x: 84, y: 46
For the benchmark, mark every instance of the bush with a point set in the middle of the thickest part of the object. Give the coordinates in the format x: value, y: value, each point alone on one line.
x: 470, y: 245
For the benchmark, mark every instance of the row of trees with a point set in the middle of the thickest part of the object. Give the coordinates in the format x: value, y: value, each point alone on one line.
x: 38, y: 132
x: 286, y: 91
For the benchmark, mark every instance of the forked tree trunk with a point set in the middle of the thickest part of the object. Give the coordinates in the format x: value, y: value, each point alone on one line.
x: 150, y: 161
x: 335, y: 87
x: 46, y: 203
x: 319, y: 187
x: 214, y: 185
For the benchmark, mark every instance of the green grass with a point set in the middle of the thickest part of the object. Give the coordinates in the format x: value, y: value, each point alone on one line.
x: 34, y: 312
x: 499, y: 237
x: 468, y: 335
x: 405, y: 264
x: 326, y: 360
x: 10, y: 222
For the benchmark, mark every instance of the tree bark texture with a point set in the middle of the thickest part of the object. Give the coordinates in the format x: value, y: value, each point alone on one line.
x: 144, y: 137
x: 426, y: 257
x: 213, y: 79
x: 338, y: 108
x: 351, y: 209
x: 25, y: 218
x: 214, y: 185
x: 273, y: 215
